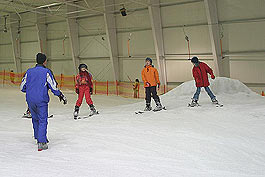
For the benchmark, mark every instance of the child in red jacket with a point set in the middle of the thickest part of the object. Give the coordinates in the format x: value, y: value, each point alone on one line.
x: 200, y: 73
x: 84, y: 86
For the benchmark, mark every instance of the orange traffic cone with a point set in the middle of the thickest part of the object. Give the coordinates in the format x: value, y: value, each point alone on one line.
x: 262, y: 93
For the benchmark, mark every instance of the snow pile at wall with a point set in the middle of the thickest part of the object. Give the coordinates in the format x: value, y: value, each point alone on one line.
x: 220, y: 85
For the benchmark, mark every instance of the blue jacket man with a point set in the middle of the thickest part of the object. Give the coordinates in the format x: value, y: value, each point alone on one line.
x: 36, y: 83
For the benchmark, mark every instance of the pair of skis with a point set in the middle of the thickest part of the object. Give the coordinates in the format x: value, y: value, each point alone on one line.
x: 142, y: 112
x: 198, y: 105
x: 26, y: 116
x: 85, y: 117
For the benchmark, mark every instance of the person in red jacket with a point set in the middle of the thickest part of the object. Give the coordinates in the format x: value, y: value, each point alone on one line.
x: 200, y: 73
x: 84, y: 86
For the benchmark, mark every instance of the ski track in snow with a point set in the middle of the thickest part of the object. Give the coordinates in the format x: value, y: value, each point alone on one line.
x: 181, y: 142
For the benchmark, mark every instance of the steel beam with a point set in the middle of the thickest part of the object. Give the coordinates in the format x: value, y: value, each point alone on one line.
x: 111, y: 34
x: 42, y: 35
x: 15, y: 40
x: 73, y: 36
x: 156, y: 24
x: 214, y: 31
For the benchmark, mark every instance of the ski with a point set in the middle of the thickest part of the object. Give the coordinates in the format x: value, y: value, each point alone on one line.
x: 85, y: 117
x: 163, y: 108
x: 29, y: 116
x: 218, y: 105
x: 142, y: 112
x: 192, y: 106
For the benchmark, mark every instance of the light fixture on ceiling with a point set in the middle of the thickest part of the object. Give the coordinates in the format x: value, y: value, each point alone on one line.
x: 123, y: 11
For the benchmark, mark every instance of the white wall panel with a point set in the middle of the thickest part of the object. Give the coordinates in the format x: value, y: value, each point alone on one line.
x: 57, y: 30
x: 57, y: 50
x: 28, y: 34
x: 175, y: 43
x: 245, y: 36
x: 192, y: 13
x: 94, y: 46
x: 249, y: 72
x: 29, y: 50
x: 240, y: 9
x: 141, y: 43
x: 91, y: 25
x: 5, y: 37
x: 6, y: 52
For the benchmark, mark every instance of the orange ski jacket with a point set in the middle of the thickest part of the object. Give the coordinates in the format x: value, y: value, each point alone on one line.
x: 150, y: 75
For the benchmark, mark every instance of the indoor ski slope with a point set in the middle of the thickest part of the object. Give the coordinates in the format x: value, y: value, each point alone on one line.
x: 181, y: 142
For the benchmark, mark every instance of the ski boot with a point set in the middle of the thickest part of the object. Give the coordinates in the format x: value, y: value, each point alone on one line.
x: 76, y: 112
x: 39, y: 142
x: 159, y: 106
x: 42, y: 146
x: 148, y: 107
x: 27, y: 114
x: 194, y: 103
x: 92, y: 110
x: 214, y: 101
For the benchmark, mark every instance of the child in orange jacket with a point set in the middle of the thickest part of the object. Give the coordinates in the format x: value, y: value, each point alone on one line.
x: 84, y: 86
x: 150, y: 78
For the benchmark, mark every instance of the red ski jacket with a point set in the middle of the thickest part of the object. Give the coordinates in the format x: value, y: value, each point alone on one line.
x: 84, y: 78
x: 200, y: 74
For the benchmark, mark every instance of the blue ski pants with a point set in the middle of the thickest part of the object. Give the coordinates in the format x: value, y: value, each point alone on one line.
x: 39, y: 114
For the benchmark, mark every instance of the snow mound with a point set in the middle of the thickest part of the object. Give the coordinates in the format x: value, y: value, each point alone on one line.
x: 221, y: 85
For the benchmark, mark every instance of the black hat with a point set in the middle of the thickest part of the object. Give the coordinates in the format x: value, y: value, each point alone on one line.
x: 195, y: 60
x: 40, y: 58
x: 149, y: 59
x: 82, y: 66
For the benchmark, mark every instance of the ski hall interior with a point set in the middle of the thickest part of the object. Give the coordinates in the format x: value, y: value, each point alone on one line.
x: 114, y: 38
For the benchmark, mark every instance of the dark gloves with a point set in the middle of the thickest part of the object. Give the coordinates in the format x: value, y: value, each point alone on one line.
x: 212, y: 76
x: 77, y: 90
x: 148, y: 84
x: 91, y: 91
x: 63, y: 98
x: 158, y: 86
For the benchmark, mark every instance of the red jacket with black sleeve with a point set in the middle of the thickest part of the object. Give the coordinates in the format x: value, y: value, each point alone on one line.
x: 200, y: 74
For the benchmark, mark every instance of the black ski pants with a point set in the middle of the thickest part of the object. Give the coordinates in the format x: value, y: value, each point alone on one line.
x: 151, y: 92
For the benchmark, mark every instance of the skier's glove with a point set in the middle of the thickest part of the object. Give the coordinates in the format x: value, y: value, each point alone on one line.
x: 158, y: 86
x: 148, y: 84
x: 212, y: 76
x: 63, y: 98
x: 91, y: 91
x: 77, y: 90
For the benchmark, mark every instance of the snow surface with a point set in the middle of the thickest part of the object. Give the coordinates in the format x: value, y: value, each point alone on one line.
x: 182, y: 142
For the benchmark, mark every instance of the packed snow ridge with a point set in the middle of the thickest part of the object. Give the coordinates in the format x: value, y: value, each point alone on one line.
x: 221, y: 85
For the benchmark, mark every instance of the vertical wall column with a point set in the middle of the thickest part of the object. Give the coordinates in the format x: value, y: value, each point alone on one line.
x: 212, y: 17
x: 155, y: 17
x: 15, y: 40
x: 73, y: 36
x: 42, y: 35
x: 110, y: 24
